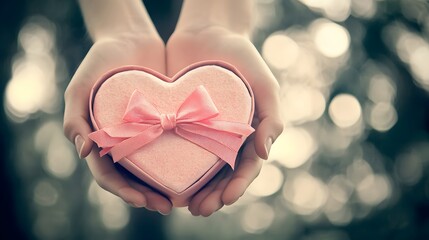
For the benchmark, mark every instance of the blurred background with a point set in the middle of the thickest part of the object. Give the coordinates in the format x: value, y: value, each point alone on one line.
x: 352, y: 162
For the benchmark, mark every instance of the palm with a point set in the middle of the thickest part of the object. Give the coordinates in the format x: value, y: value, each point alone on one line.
x: 111, y: 53
x: 186, y: 47
x: 103, y: 56
x: 218, y: 43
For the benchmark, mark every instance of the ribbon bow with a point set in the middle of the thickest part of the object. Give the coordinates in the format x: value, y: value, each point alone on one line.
x: 193, y: 121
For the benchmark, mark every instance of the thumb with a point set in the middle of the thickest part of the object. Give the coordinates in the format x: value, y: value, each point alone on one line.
x: 76, y: 125
x: 266, y: 133
x: 266, y: 89
x: 268, y: 113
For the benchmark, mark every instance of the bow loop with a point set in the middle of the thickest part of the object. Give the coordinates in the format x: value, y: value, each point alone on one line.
x: 197, y: 106
x: 139, y: 109
x: 193, y: 121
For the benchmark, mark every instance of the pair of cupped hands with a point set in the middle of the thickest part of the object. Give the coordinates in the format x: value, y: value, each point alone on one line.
x: 184, y: 47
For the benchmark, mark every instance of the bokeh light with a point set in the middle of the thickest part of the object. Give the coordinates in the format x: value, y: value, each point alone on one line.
x: 33, y: 84
x: 340, y: 189
x: 257, y: 217
x: 358, y: 170
x: 364, y: 8
x: 293, y: 147
x: 337, y: 208
x: 411, y: 48
x: 302, y: 103
x: 52, y: 225
x: 60, y: 160
x: 374, y: 189
x: 333, y: 9
x: 114, y: 214
x: 381, y: 89
x: 280, y: 51
x: 305, y: 194
x: 269, y: 181
x: 60, y: 157
x: 340, y: 217
x: 345, y: 110
x: 409, y: 168
x: 331, y: 39
x: 418, y: 63
x: 36, y: 37
x: 383, y: 116
x: 45, y: 193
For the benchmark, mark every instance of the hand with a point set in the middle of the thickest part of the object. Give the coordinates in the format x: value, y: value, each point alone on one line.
x: 192, y: 44
x: 107, y: 53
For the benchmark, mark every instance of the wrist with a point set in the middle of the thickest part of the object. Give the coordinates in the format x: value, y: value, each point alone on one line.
x: 127, y: 35
x: 112, y: 18
x: 234, y: 16
x: 130, y: 38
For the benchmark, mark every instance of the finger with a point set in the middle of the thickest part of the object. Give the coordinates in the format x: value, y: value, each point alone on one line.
x: 194, y: 205
x: 268, y: 112
x: 213, y: 202
x: 155, y: 201
x: 76, y: 112
x: 108, y: 178
x: 76, y: 126
x: 266, y: 133
x: 76, y: 97
x: 267, y: 100
x: 97, y: 62
x: 247, y: 170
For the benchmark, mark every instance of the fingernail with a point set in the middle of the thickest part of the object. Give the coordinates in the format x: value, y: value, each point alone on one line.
x: 268, y: 144
x: 79, y: 142
x: 163, y: 213
x: 132, y: 204
x: 138, y: 205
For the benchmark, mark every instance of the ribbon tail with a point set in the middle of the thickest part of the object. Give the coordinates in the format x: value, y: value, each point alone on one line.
x: 130, y: 145
x: 238, y: 128
x: 227, y: 153
x: 103, y: 139
x: 107, y: 138
x: 232, y: 140
x: 105, y: 151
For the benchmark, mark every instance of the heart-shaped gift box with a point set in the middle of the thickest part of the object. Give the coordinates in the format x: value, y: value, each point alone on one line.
x: 175, y: 133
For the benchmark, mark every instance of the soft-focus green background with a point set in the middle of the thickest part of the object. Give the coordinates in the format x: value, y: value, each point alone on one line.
x: 352, y: 162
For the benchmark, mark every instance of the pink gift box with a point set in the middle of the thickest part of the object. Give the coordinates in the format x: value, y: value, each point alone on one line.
x: 175, y: 133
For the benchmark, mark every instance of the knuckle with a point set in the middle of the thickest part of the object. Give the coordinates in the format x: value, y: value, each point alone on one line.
x: 102, y: 181
x: 74, y: 91
x: 275, y: 85
x: 68, y: 129
x: 278, y: 125
x: 256, y: 173
x: 68, y: 92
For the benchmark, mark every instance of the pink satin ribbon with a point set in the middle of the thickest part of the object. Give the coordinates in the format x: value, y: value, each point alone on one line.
x: 193, y: 121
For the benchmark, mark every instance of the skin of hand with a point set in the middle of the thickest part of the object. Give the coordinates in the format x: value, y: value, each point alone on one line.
x: 111, y: 49
x: 209, y: 30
